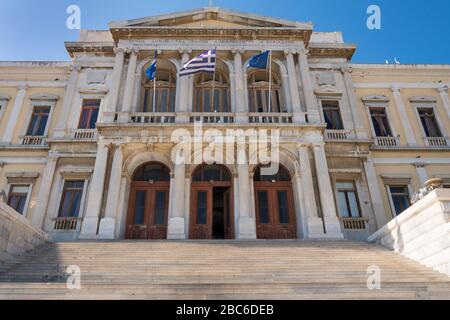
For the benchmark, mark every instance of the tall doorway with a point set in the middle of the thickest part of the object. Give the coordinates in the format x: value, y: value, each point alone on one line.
x: 211, y: 204
x: 274, y: 203
x: 149, y: 203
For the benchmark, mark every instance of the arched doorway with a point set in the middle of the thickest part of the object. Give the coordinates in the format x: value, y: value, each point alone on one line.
x: 149, y: 202
x: 211, y: 203
x: 275, y: 213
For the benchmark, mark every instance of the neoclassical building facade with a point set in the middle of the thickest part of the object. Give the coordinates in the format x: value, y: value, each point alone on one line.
x: 86, y: 145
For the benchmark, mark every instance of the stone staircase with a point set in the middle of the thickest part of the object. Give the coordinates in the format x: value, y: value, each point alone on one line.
x: 220, y: 270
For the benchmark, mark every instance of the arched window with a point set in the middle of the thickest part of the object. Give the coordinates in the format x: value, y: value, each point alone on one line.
x: 165, y: 92
x: 153, y: 171
x: 258, y: 92
x: 206, y: 173
x: 281, y: 176
x: 204, y: 101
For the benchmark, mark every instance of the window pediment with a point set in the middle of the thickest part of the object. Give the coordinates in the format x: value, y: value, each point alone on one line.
x: 375, y: 98
x: 94, y: 89
x: 328, y: 91
x: 44, y: 97
x: 422, y: 99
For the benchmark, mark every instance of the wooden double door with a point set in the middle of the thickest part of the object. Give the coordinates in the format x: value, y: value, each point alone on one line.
x: 148, y: 211
x: 275, y: 213
x: 211, y: 214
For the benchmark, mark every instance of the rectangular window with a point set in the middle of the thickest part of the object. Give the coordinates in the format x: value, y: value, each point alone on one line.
x: 89, y: 114
x: 332, y: 115
x: 283, y: 209
x: 38, y: 121
x: 263, y: 207
x: 400, y: 198
x: 71, y: 199
x: 380, y: 122
x: 429, y: 123
x: 348, y: 200
x: 139, y: 208
x: 17, y: 197
x: 160, y: 208
x: 202, y: 202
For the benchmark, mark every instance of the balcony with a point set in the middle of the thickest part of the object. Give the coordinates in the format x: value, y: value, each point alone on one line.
x: 354, y: 223
x: 148, y: 118
x: 270, y: 117
x: 67, y: 224
x: 85, y: 134
x: 212, y: 117
x: 337, y: 134
x: 387, y: 142
x: 436, y: 142
x: 33, y: 140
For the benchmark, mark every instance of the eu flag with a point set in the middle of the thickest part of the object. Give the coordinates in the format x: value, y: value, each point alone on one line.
x: 259, y: 61
x: 151, y: 71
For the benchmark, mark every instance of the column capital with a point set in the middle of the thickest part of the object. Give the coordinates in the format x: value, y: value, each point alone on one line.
x: 443, y: 89
x: 302, y: 145
x: 119, y: 50
x: 185, y: 50
x: 290, y: 51
x: 317, y: 145
x: 75, y: 67
x: 133, y: 50
x: 396, y: 89
x: 237, y: 51
x: 346, y: 70
x: 419, y: 164
x: 22, y: 87
x: 304, y: 52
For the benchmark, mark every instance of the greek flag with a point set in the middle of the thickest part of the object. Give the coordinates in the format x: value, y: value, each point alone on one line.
x: 206, y: 62
x: 151, y: 71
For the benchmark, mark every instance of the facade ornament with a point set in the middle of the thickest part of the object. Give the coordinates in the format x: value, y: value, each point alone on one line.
x: 395, y: 89
x: 443, y: 89
x: 119, y: 50
x: 429, y: 187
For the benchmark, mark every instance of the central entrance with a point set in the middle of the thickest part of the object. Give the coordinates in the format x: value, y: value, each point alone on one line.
x: 211, y: 204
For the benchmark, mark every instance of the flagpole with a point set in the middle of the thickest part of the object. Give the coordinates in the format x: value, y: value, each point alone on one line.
x: 270, y: 81
x: 154, y: 88
x: 214, y: 82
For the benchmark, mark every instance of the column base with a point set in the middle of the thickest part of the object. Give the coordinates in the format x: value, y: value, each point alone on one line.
x: 247, y: 229
x: 333, y: 228
x: 89, y: 229
x: 315, y: 228
x: 107, y: 229
x: 299, y: 118
x: 175, y: 229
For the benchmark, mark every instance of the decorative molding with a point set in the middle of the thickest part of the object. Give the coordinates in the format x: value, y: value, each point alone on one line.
x: 44, y: 97
x: 375, y: 98
x: 426, y: 99
x: 4, y: 97
x: 328, y: 91
x: 94, y: 89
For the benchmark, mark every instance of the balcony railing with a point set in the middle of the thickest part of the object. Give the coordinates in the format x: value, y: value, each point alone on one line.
x: 33, y: 140
x: 387, y: 142
x: 354, y: 223
x: 85, y: 134
x: 337, y: 134
x: 436, y: 142
x: 147, y: 118
x: 212, y: 117
x: 67, y: 224
x: 270, y: 118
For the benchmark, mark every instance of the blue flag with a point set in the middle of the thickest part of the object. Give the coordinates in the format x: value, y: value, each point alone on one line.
x: 259, y: 61
x: 151, y: 71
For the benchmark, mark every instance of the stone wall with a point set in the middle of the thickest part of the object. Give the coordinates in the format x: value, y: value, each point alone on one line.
x: 421, y: 233
x: 17, y: 235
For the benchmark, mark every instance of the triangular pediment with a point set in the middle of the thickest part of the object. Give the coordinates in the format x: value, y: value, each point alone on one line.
x: 210, y: 18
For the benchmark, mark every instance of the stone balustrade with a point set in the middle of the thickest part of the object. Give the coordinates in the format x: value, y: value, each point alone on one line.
x: 422, y: 232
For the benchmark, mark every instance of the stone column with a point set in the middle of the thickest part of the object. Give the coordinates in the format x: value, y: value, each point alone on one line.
x: 44, y: 192
x: 176, y: 228
x: 95, y: 195
x: 293, y: 88
x: 239, y: 85
x: 183, y: 86
x: 409, y: 133
x: 360, y: 131
x: 61, y: 126
x: 108, y: 117
x: 129, y: 86
x: 421, y: 173
x: 247, y: 222
x: 314, y: 224
x: 14, y: 115
x: 375, y: 194
x: 108, y: 223
x: 312, y: 107
x: 443, y: 92
x: 332, y: 224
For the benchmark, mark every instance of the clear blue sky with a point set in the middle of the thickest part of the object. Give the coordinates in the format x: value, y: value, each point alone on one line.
x: 414, y: 31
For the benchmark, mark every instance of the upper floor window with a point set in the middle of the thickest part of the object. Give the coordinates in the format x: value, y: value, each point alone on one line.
x: 380, y: 122
x: 258, y: 92
x: 17, y: 197
x: 205, y: 100
x: 400, y: 197
x: 348, y: 200
x: 38, y: 122
x: 332, y: 114
x: 71, y: 199
x: 429, y: 122
x: 159, y: 96
x: 89, y: 114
